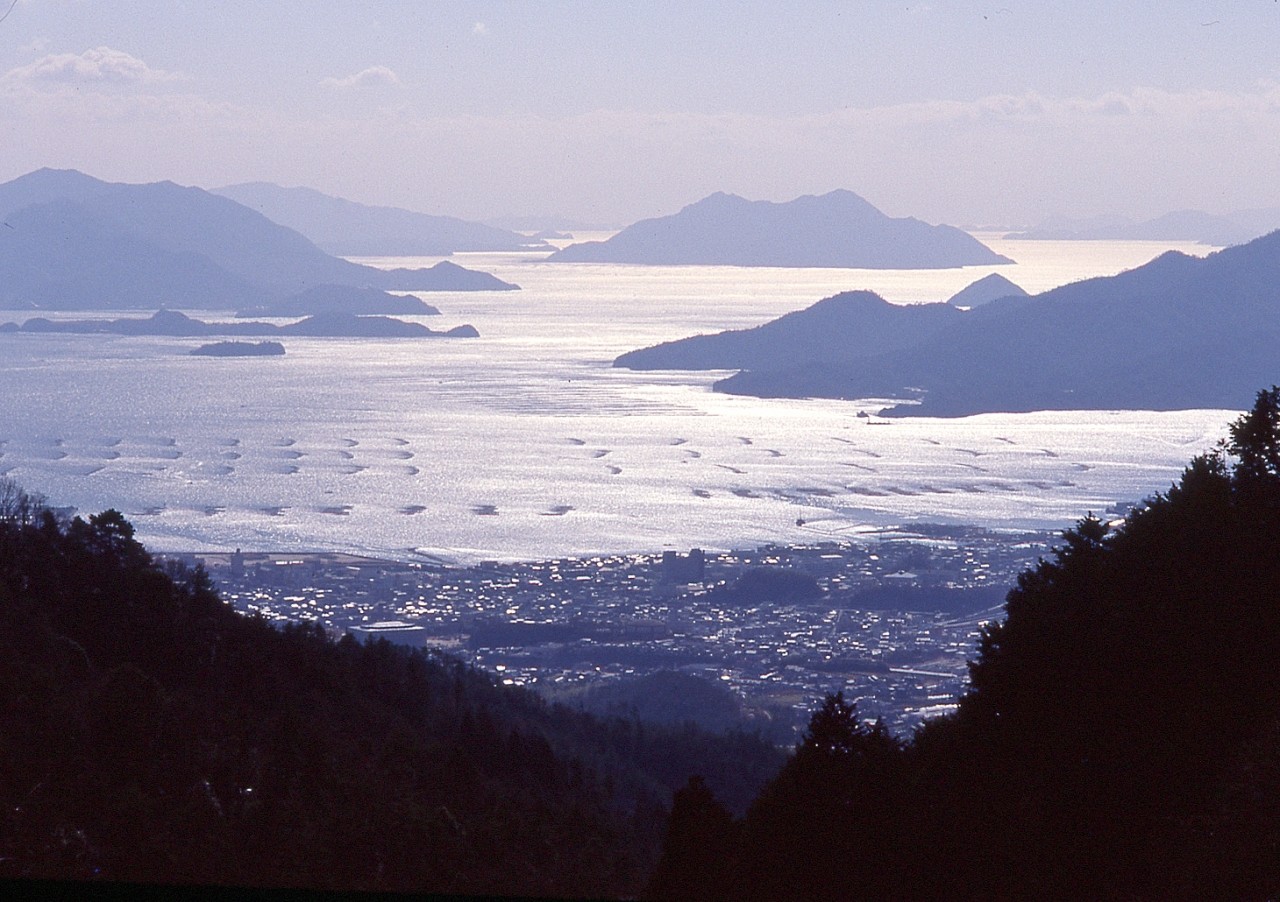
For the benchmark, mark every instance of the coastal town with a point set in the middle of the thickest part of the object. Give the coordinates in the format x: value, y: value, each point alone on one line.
x: 890, y: 621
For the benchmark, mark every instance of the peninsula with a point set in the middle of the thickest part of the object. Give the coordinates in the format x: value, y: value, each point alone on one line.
x: 850, y: 325
x: 1179, y: 332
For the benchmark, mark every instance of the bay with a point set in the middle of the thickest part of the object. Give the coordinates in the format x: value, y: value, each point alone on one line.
x: 526, y: 444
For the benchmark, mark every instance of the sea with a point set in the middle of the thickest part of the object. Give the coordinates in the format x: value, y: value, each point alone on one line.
x: 526, y: 444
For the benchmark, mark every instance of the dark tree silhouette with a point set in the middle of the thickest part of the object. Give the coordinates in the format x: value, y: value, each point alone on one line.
x: 1255, y: 443
x: 149, y: 733
x: 1118, y: 739
x: 700, y: 831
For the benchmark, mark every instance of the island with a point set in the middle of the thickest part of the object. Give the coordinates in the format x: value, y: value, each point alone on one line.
x: 176, y: 324
x: 838, y: 229
x: 239, y: 349
x: 1179, y: 332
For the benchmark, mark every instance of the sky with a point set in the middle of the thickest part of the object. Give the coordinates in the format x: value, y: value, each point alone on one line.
x: 1000, y: 113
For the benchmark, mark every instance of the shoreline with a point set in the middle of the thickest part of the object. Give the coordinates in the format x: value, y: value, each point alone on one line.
x: 923, y: 533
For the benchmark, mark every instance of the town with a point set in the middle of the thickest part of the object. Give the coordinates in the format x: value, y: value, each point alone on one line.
x: 891, y: 621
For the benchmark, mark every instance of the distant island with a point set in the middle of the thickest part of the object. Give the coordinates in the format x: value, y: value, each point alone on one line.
x: 838, y: 229
x: 984, y: 291
x: 73, y: 242
x: 1179, y: 332
x: 1180, y: 225
x: 173, y: 323
x: 348, y: 228
x: 239, y: 349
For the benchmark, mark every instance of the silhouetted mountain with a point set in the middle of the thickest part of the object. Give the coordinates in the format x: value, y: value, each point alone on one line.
x: 984, y: 291
x: 80, y: 243
x: 853, y: 324
x: 332, y: 324
x: 838, y: 229
x: 345, y: 227
x: 44, y: 185
x: 1180, y: 225
x: 61, y: 256
x: 1178, y: 332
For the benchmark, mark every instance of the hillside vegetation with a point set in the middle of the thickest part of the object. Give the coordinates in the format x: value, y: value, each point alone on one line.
x: 1120, y: 738
x: 149, y: 733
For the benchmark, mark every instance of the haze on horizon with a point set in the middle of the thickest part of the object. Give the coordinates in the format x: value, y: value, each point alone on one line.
x: 966, y: 113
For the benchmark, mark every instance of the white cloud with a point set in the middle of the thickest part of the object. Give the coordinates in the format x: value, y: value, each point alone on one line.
x: 99, y: 65
x: 480, y: 28
x: 374, y: 75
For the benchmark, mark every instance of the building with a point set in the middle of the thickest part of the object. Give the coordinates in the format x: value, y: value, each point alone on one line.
x: 396, y: 631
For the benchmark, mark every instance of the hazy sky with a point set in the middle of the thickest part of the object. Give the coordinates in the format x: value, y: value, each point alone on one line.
x: 967, y: 113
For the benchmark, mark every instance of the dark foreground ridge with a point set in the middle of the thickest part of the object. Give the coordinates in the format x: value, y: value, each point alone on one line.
x: 153, y: 735
x: 1120, y: 738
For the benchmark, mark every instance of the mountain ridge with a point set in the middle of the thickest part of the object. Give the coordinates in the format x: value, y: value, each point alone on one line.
x: 1178, y: 332
x: 853, y: 323
x: 345, y: 227
x: 75, y: 242
x: 837, y: 229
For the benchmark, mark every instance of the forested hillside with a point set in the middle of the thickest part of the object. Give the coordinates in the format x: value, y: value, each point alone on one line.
x: 1120, y: 739
x: 148, y: 733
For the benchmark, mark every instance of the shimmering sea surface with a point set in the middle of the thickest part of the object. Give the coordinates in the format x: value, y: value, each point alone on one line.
x: 526, y: 444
